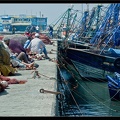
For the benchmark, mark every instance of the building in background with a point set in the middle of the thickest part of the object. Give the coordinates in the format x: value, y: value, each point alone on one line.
x: 40, y: 22
x: 21, y: 22
x: 6, y: 22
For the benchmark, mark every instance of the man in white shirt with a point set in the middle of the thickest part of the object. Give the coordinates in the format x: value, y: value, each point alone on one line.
x: 37, y: 46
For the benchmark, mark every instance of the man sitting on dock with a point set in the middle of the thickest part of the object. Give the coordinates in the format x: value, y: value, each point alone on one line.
x: 37, y: 46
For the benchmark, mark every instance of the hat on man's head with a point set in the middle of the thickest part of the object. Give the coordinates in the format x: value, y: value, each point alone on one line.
x: 36, y: 34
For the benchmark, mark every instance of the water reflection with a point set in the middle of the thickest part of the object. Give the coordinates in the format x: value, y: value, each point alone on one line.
x: 91, y: 97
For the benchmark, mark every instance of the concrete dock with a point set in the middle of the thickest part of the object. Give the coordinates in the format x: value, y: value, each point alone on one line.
x: 26, y: 99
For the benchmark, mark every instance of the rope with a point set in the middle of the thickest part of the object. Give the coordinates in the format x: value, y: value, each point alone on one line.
x: 71, y: 94
x: 90, y: 63
x: 84, y: 60
x: 97, y: 99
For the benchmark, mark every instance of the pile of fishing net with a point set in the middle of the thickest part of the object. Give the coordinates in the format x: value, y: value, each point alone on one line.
x: 18, y: 37
x: 5, y: 81
x: 12, y: 80
x: 43, y: 37
x: 23, y: 38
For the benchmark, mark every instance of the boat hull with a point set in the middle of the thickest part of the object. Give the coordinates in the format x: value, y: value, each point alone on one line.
x: 89, y: 64
x: 114, y: 94
x: 90, y: 72
x: 114, y: 88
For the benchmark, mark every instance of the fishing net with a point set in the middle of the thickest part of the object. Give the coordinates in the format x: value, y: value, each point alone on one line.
x: 18, y: 37
x: 1, y: 87
x: 12, y: 80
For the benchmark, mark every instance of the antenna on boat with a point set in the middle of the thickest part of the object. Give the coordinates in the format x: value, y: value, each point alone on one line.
x: 31, y: 12
x: 72, y: 6
x: 40, y: 14
x: 87, y: 6
x: 82, y: 10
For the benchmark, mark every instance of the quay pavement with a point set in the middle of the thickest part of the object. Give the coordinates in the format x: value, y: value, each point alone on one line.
x: 26, y: 99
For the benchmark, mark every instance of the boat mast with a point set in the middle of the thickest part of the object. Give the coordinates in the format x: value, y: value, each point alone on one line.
x: 87, y: 6
x: 82, y: 10
x: 68, y: 23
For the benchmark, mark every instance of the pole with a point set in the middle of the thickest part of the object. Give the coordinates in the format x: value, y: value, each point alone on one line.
x: 82, y: 10
x: 40, y: 14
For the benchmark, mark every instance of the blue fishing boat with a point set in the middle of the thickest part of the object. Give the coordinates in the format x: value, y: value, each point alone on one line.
x: 114, y: 86
x: 94, y: 59
x: 89, y: 57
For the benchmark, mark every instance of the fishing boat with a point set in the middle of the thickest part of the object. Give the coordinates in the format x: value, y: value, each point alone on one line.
x: 89, y: 63
x: 114, y: 86
x: 95, y: 60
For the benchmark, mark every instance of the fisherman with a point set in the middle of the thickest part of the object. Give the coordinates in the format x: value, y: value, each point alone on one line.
x: 64, y: 31
x: 28, y: 41
x: 17, y: 48
x: 5, y: 66
x: 50, y: 31
x: 18, y: 60
x: 37, y: 46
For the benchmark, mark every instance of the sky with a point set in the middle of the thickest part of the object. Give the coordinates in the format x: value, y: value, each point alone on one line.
x: 50, y: 10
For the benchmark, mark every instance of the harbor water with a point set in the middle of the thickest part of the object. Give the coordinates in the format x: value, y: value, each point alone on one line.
x: 87, y: 99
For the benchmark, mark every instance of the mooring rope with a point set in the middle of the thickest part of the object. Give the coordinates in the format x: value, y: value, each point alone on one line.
x: 71, y: 94
x: 98, y: 100
x: 96, y: 73
x: 97, y: 84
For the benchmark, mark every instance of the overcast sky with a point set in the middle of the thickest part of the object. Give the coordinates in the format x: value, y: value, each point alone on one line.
x: 50, y: 10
